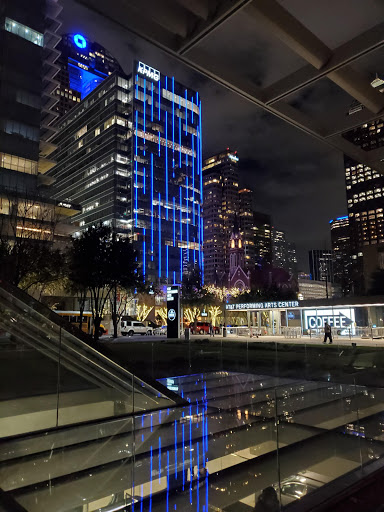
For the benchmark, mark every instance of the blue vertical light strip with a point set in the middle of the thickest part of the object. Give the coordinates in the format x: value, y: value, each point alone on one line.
x: 173, y: 114
x: 175, y: 450
x: 181, y: 233
x: 152, y: 101
x: 193, y: 178
x: 183, y: 429
x: 174, y: 223
x: 159, y: 459
x: 180, y: 123
x: 159, y: 143
x: 167, y: 481
x: 167, y: 261
x: 199, y: 234
x: 186, y: 113
x: 198, y: 477
x: 136, y: 170
x: 144, y: 254
x: 166, y: 165
x: 201, y: 193
x: 144, y: 105
x: 159, y: 236
x: 198, y: 178
x: 150, y: 479
x: 152, y: 207
x: 159, y: 102
x: 187, y: 218
x: 190, y: 453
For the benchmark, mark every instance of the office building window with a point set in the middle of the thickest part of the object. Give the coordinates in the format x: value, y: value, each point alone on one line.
x: 16, y: 163
x: 26, y: 98
x: 23, y: 31
x: 24, y: 130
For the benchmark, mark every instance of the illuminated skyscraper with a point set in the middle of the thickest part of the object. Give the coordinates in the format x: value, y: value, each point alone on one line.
x: 262, y: 237
x: 221, y: 205
x: 365, y: 199
x: 341, y: 246
x: 28, y: 67
x: 130, y: 154
x: 246, y: 225
x: 83, y: 66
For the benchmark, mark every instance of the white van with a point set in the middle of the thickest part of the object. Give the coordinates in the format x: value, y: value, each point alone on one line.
x: 131, y: 327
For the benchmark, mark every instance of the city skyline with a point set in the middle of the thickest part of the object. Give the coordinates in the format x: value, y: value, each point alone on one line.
x: 304, y: 169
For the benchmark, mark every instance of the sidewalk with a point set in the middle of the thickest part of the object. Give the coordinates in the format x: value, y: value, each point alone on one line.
x: 305, y: 340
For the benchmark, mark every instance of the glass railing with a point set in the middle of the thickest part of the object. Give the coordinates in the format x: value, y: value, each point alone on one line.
x: 51, y: 378
x: 284, y: 424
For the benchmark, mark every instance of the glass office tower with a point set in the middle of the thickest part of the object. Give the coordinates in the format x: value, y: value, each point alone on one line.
x: 130, y: 155
x: 83, y: 65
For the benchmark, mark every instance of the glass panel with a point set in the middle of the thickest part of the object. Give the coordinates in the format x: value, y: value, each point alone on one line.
x: 64, y: 379
x: 88, y: 468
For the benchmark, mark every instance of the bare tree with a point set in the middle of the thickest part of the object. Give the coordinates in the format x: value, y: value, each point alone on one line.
x: 27, y: 226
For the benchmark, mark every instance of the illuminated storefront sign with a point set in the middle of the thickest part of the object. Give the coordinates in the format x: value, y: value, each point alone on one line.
x: 342, y: 319
x: 282, y: 304
x: 147, y: 71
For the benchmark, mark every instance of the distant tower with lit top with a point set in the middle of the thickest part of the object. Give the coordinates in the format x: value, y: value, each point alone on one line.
x: 221, y: 205
x: 83, y: 65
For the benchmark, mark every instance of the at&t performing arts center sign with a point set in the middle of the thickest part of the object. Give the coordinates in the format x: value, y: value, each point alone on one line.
x: 281, y: 304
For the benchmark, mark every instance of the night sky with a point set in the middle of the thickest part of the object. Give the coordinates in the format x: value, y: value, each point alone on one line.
x: 295, y: 178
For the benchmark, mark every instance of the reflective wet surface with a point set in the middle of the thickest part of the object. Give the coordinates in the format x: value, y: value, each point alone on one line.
x: 239, y: 434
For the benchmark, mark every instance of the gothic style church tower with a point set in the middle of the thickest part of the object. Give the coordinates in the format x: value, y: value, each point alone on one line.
x: 237, y: 277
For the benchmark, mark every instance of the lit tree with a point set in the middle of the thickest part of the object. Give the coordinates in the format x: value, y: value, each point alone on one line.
x: 143, y: 311
x: 162, y: 313
x: 192, y: 314
x: 215, y: 312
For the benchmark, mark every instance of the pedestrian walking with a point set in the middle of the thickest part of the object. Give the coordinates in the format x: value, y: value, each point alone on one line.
x: 327, y: 333
x: 211, y: 329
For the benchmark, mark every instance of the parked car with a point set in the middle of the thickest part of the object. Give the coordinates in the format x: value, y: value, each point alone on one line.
x: 131, y: 327
x: 202, y: 328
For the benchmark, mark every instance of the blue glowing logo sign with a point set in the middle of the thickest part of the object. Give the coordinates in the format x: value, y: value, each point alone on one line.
x: 80, y: 41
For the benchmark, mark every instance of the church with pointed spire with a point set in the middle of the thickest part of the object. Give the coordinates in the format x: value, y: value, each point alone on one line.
x: 237, y: 276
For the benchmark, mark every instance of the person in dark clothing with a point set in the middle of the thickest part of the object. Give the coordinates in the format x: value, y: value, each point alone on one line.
x: 327, y: 333
x: 268, y: 501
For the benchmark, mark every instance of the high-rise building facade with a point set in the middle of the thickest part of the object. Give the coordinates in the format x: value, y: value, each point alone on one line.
x: 246, y: 211
x: 341, y: 247
x: 365, y: 199
x: 28, y: 41
x: 130, y: 155
x: 262, y: 237
x: 321, y: 265
x: 83, y: 65
x: 283, y: 252
x: 221, y: 206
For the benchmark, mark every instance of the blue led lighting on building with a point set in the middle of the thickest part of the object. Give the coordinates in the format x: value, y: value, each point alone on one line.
x: 339, y: 218
x: 80, y: 41
x: 167, y: 214
x: 81, y: 80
